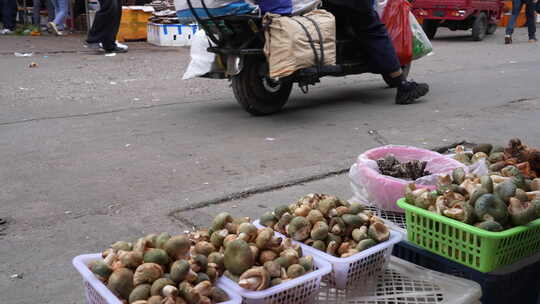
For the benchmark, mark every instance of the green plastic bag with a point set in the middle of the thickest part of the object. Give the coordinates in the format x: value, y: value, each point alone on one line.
x: 421, y: 44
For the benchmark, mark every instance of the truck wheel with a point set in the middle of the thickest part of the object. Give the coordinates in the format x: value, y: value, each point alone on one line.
x: 430, y: 27
x: 492, y: 27
x: 256, y: 93
x: 480, y: 27
x: 405, y: 70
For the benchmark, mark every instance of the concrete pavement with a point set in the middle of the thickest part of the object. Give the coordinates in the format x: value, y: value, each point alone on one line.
x: 97, y: 149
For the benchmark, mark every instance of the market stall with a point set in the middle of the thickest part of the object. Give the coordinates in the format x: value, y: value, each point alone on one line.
x: 475, y: 216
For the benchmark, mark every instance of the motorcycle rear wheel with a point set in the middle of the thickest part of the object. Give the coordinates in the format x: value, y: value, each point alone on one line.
x: 256, y: 93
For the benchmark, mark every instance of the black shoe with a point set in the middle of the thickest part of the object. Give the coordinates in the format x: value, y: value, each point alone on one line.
x: 117, y: 49
x: 91, y: 45
x: 409, y: 91
x: 507, y: 39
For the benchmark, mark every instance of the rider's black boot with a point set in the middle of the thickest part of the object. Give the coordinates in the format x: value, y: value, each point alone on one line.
x: 409, y: 91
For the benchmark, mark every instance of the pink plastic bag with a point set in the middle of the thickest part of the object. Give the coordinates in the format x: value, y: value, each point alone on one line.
x: 372, y: 188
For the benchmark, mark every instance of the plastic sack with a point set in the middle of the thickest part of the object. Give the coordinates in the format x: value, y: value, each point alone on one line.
x: 372, y: 188
x: 304, y: 6
x: 201, y: 60
x: 291, y: 42
x: 478, y: 168
x: 421, y: 44
x: 396, y: 18
x: 215, y: 7
x: 380, y: 5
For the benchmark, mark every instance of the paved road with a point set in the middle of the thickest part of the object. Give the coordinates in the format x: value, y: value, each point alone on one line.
x: 97, y: 149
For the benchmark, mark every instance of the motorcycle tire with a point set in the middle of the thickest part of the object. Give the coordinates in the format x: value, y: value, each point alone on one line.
x: 256, y: 93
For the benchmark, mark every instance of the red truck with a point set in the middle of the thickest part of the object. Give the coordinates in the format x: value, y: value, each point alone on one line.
x: 481, y: 16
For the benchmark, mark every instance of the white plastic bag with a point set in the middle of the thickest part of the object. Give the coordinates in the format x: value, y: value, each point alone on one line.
x: 201, y: 59
x: 421, y: 44
x: 380, y: 5
x: 478, y: 168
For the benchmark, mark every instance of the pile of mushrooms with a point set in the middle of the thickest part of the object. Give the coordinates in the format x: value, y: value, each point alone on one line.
x: 256, y: 258
x: 329, y: 224
x: 493, y: 202
x: 160, y: 269
x: 517, y: 154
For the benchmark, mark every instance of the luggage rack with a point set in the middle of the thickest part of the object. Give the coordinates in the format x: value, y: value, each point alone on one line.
x: 231, y: 51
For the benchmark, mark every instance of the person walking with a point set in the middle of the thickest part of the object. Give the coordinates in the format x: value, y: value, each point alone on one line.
x: 8, y: 10
x: 517, y: 5
x: 61, y: 8
x: 105, y: 28
x: 36, y: 12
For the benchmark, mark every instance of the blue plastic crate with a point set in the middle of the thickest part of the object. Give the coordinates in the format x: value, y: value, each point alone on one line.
x: 518, y: 286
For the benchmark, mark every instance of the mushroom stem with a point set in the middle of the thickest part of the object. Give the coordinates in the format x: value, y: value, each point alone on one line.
x: 250, y: 283
x: 533, y: 194
x: 110, y: 258
x: 499, y: 179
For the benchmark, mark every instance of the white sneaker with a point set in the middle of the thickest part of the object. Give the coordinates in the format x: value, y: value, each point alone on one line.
x: 6, y: 32
x: 121, y: 46
x: 54, y: 28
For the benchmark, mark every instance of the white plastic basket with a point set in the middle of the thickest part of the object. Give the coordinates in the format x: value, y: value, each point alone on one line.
x: 405, y: 283
x: 97, y: 293
x: 362, y: 267
x: 303, y: 289
x: 170, y: 34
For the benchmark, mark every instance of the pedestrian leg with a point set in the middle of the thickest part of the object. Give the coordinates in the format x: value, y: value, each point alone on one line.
x: 116, y: 21
x: 100, y: 30
x: 36, y: 10
x: 50, y: 10
x: 531, y: 23
x: 9, y: 14
x: 60, y: 13
x: 516, y: 8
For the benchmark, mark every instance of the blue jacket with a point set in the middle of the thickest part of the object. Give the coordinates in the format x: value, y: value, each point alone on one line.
x: 281, y: 7
x: 284, y: 7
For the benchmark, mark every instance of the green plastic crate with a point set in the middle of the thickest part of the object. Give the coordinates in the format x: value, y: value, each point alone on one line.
x: 471, y: 246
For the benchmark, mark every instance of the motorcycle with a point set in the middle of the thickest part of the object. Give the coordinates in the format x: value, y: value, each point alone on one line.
x: 238, y: 41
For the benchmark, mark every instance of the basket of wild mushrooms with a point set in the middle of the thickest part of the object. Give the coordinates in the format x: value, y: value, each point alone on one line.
x: 264, y: 267
x: 204, y: 267
x: 352, y: 239
x: 484, y: 222
x: 156, y: 269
